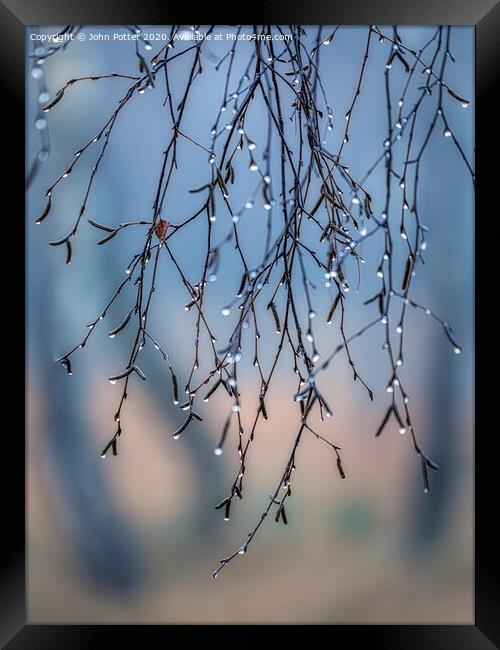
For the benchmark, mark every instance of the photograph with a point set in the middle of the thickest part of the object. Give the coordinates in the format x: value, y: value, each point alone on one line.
x: 250, y: 337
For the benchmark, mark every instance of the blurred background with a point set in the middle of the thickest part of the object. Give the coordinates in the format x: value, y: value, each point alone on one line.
x: 134, y: 539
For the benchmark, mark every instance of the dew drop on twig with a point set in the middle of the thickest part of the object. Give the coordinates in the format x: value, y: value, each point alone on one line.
x: 36, y: 73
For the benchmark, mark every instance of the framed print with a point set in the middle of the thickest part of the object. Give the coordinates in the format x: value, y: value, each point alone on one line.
x: 251, y: 304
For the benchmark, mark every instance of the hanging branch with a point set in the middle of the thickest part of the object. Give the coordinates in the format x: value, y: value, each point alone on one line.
x: 319, y: 217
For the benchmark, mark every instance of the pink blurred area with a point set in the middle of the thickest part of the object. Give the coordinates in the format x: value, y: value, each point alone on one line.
x: 345, y: 557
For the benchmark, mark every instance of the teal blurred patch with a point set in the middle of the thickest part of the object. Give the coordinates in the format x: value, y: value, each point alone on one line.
x: 356, y: 519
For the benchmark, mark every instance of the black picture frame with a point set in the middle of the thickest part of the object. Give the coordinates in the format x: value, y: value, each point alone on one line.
x: 15, y: 630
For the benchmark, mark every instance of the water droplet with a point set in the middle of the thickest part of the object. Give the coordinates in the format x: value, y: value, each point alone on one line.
x: 36, y: 73
x: 218, y: 451
x: 457, y: 350
x: 236, y: 408
x: 267, y: 179
x: 40, y: 124
x: 312, y: 314
x: 398, y: 125
x: 399, y: 362
x: 226, y: 311
x: 355, y: 200
x: 235, y: 218
x: 112, y: 381
x: 423, y: 245
x: 254, y: 167
x: 402, y: 430
x: 252, y: 146
x: 380, y: 274
x: 249, y: 205
x: 465, y: 104
x: 43, y: 155
x: 447, y: 133
x: 389, y: 389
x: 399, y: 329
